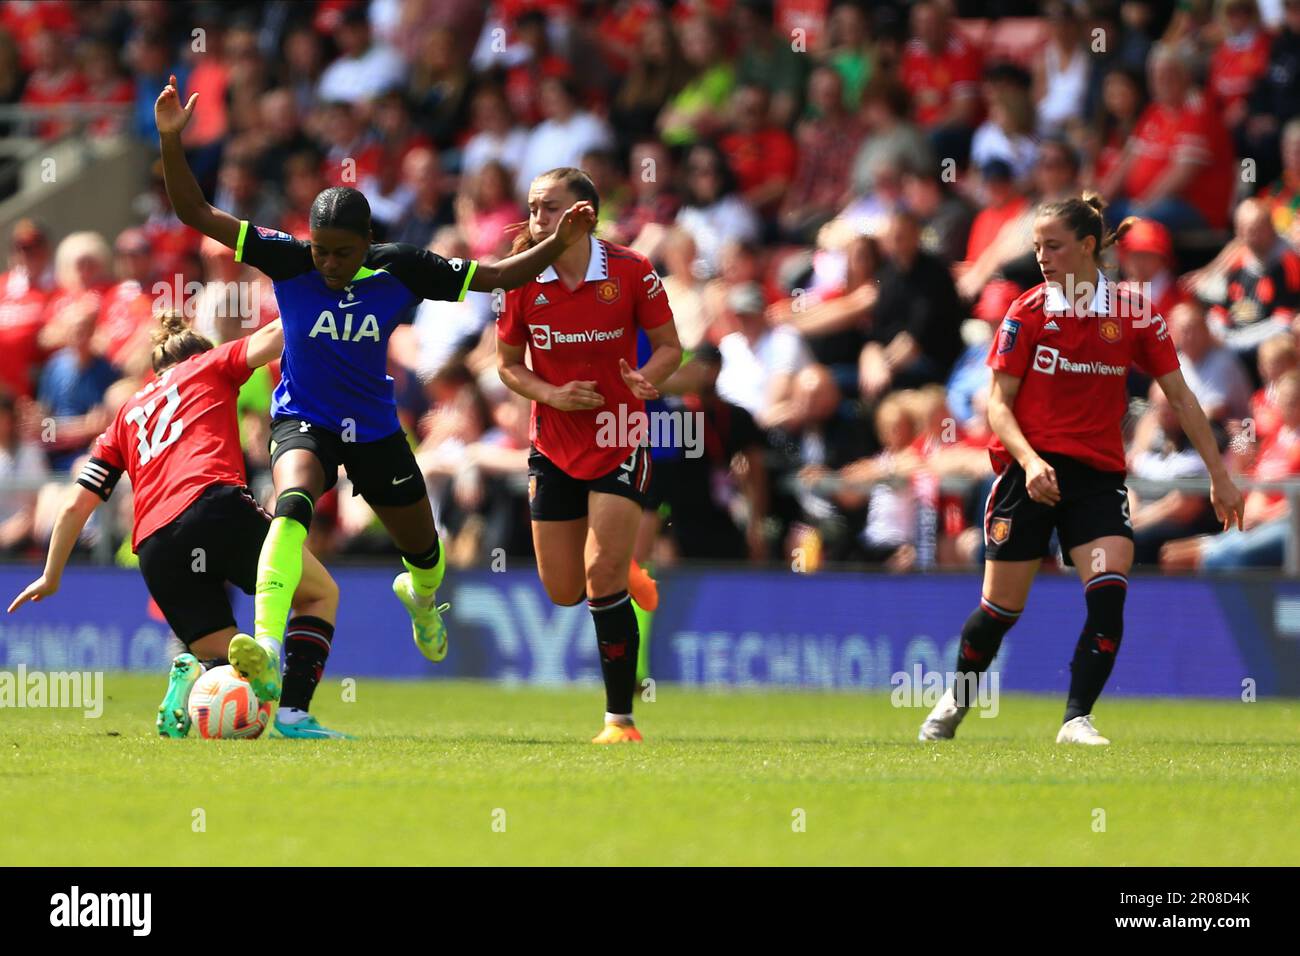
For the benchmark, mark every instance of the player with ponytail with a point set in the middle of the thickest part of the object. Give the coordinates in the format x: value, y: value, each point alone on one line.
x: 1060, y: 365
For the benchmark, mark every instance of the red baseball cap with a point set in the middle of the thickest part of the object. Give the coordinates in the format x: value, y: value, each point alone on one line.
x: 1147, y: 235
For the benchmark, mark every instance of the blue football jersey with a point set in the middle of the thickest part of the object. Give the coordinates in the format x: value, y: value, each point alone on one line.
x: 334, y: 371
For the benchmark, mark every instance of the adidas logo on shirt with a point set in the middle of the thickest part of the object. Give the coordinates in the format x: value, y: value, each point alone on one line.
x: 1051, y: 326
x: 541, y: 299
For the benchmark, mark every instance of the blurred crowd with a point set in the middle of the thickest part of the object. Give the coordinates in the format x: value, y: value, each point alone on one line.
x: 838, y: 195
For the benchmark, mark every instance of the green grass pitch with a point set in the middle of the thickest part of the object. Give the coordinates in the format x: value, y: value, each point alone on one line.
x: 466, y: 773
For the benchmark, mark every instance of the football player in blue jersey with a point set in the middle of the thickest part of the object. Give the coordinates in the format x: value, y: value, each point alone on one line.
x: 340, y: 296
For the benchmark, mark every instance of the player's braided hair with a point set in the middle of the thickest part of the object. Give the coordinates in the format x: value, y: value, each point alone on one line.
x: 341, y: 207
x: 1085, y: 216
x: 576, y: 182
x: 174, y: 341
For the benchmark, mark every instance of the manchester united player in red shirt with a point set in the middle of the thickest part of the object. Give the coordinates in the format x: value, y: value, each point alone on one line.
x: 578, y: 322
x: 196, y: 526
x: 1060, y: 363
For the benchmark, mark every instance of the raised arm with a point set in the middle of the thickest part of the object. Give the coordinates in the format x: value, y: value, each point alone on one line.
x: 182, y: 188
x: 513, y: 271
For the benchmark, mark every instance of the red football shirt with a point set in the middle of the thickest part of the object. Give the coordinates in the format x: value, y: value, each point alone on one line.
x: 1164, y: 136
x: 934, y: 81
x: 22, y: 313
x: 175, y: 438
x: 1074, y: 370
x: 580, y: 336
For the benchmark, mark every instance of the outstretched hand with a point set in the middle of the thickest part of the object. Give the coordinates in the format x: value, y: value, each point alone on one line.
x: 578, y: 220
x: 168, y: 113
x: 641, y: 386
x: 42, y: 587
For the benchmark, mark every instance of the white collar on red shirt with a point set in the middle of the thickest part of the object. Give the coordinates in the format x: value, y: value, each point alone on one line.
x: 1056, y: 304
x: 597, y: 265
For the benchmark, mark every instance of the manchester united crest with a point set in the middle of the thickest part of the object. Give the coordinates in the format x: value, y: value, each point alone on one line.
x: 607, y: 291
x: 1110, y: 329
x: 1000, y: 530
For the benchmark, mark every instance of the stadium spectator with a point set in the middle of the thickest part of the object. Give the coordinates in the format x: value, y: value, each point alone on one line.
x: 695, y: 111
x: 1146, y: 261
x: 1263, y: 283
x: 300, y: 72
x: 72, y: 387
x: 278, y: 136
x: 654, y: 203
x: 1175, y: 514
x: 834, y: 321
x: 686, y: 290
x: 657, y: 72
x: 439, y: 87
x: 432, y: 208
x: 768, y: 59
x: 1008, y: 133
x: 496, y: 137
x: 364, y: 69
x: 942, y: 73
x: 1122, y: 103
x: 1214, y: 374
x: 849, y: 51
x: 562, y: 137
x: 1265, y: 537
x: 891, y: 136
x: 711, y: 210
x: 22, y: 469
x: 603, y: 168
x: 303, y: 181
x: 390, y: 199
x: 106, y: 87
x: 945, y: 216
x: 1060, y: 71
x: 352, y: 149
x: 486, y: 208
x: 1238, y: 61
x: 1178, y: 167
x: 83, y: 270
x: 759, y: 362
x: 241, y: 191
x: 827, y: 143
x: 1275, y: 99
x: 761, y: 155
x: 151, y: 60
x: 1277, y: 356
x: 914, y: 336
x: 537, y: 63
x: 55, y: 81
x: 1282, y: 196
x: 443, y: 332
x: 25, y: 290
x: 126, y: 312
x: 1000, y: 203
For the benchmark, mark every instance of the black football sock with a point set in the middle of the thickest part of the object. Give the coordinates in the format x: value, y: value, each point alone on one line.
x: 307, y: 643
x: 619, y: 641
x: 981, y: 636
x: 1094, y: 655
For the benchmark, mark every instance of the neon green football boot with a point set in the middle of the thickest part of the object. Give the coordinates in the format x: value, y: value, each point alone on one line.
x: 258, y: 662
x: 174, y: 711
x: 426, y: 619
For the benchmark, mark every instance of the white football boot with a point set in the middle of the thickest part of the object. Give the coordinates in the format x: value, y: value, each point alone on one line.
x: 943, y: 720
x: 1081, y: 731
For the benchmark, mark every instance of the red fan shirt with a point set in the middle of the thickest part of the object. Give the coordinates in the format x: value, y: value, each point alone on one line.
x: 1074, y: 370
x: 175, y: 438
x: 580, y: 336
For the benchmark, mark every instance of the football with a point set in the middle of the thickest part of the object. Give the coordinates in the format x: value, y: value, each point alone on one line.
x: 224, y: 707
